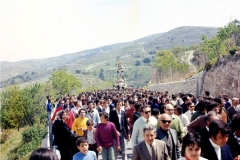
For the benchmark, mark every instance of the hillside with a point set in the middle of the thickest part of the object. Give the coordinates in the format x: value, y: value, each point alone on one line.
x: 89, y: 62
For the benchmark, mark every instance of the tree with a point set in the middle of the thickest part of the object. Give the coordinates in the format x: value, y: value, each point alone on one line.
x: 101, y: 74
x: 77, y: 71
x: 23, y: 106
x: 164, y: 60
x: 178, y: 50
x: 146, y: 60
x: 221, y: 43
x: 63, y: 82
x: 166, y: 63
x: 137, y: 63
x: 12, y: 112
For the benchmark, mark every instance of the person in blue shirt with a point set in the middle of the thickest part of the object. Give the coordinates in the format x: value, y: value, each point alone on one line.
x: 49, y: 110
x: 84, y: 153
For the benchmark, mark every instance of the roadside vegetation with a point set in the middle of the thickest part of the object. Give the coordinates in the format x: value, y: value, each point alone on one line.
x: 23, y: 113
x: 172, y: 63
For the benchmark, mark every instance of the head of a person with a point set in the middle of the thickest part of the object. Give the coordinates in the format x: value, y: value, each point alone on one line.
x: 165, y: 121
x: 149, y: 133
x: 207, y: 93
x: 174, y: 97
x: 104, y: 117
x: 168, y: 108
x: 219, y: 102
x: 49, y: 97
x: 190, y: 106
x: 211, y: 115
x: 66, y: 108
x: 132, y: 103
x: 155, y: 100
x: 163, y: 98
x: 137, y: 106
x: 201, y: 106
x: 119, y: 105
x: 79, y: 103
x: 186, y: 99
x: 213, y: 106
x: 191, y: 96
x: 199, y: 98
x: 97, y: 101
x: 146, y: 111
x: 62, y: 103
x: 89, y: 124
x: 219, y: 132
x: 67, y: 102
x: 155, y: 112
x: 104, y: 104
x: 235, y: 124
x: 191, y: 146
x: 178, y: 110
x: 90, y: 105
x: 126, y: 103
x: 235, y: 101
x: 61, y: 115
x: 43, y: 154
x: 82, y: 145
x: 82, y: 113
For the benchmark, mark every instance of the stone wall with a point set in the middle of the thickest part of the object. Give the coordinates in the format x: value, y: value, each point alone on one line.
x: 223, y: 78
x: 186, y: 86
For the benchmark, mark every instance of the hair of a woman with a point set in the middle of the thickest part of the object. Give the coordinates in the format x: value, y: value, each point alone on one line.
x: 190, y: 140
x: 43, y: 154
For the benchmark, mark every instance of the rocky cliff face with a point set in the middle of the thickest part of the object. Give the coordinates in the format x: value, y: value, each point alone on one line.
x: 224, y: 77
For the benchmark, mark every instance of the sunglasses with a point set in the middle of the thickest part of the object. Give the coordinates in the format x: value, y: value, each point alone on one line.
x: 146, y: 112
x: 191, y: 106
x: 169, y: 110
x: 165, y: 121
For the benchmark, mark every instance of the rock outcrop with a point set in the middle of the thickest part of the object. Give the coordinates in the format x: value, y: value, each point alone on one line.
x: 224, y: 78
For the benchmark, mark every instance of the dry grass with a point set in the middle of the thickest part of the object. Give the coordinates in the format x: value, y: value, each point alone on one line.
x: 15, y: 140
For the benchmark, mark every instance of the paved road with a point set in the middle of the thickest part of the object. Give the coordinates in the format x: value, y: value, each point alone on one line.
x: 46, y: 144
x: 129, y: 152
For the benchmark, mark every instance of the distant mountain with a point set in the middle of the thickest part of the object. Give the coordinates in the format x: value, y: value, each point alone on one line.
x: 181, y: 36
x: 91, y: 61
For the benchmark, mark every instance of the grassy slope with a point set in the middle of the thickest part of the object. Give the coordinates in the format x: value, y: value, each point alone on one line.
x: 14, y: 141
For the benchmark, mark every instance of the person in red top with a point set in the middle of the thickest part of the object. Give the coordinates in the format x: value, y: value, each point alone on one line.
x: 129, y: 115
x: 57, y: 110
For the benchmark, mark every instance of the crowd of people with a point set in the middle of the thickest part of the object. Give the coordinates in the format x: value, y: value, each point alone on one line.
x: 160, y: 126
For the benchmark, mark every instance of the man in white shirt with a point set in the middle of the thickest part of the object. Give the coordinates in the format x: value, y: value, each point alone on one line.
x: 190, y: 111
x: 150, y: 148
x: 76, y: 108
x: 215, y: 148
x: 137, y: 134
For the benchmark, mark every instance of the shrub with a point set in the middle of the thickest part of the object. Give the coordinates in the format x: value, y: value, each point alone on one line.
x: 232, y: 51
x: 6, y: 135
x: 32, y: 138
x: 28, y: 147
x: 137, y: 63
x: 146, y: 60
x: 35, y: 132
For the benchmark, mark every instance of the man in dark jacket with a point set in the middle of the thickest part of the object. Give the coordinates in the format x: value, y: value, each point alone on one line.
x: 119, y: 118
x: 215, y: 147
x: 234, y: 138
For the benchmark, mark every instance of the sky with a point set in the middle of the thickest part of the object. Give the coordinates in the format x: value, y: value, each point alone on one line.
x: 33, y: 29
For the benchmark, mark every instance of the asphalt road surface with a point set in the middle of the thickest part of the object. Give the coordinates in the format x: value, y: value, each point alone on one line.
x: 128, y: 150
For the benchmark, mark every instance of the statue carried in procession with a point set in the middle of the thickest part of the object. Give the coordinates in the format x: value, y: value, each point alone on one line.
x: 120, y: 81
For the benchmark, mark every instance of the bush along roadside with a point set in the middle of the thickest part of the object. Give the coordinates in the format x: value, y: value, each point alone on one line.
x: 31, y: 140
